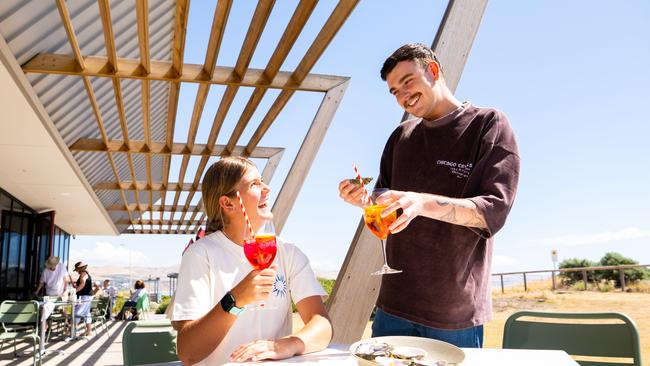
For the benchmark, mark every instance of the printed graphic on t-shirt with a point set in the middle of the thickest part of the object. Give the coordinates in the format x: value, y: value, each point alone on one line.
x: 460, y: 170
x: 280, y: 286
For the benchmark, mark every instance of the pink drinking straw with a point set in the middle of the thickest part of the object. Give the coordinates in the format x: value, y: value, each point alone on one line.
x: 363, y: 186
x: 243, y: 209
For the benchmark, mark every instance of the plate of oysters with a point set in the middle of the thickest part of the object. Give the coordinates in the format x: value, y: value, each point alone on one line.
x: 406, y: 351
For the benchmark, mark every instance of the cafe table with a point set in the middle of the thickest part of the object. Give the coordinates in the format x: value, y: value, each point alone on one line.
x: 338, y: 355
x: 46, y: 314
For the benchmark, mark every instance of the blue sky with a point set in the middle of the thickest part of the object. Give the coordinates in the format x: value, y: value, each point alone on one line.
x: 571, y: 76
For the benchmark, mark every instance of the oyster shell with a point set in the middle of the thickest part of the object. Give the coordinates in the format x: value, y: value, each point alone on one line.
x: 408, y: 353
x: 366, y: 180
x: 371, y: 350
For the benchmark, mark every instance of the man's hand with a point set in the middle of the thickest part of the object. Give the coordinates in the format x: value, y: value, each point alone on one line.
x: 411, y: 204
x: 265, y: 349
x: 351, y: 193
x: 256, y: 286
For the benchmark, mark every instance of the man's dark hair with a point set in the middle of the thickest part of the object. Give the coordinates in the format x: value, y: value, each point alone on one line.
x: 409, y: 52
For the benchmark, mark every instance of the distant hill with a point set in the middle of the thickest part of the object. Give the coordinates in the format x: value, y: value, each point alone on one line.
x: 119, y: 275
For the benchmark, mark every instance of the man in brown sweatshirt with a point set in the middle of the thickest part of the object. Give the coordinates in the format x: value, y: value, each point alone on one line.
x: 452, y: 173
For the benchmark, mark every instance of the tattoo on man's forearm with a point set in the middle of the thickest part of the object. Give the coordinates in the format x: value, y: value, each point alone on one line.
x: 450, y: 216
x: 476, y: 221
x: 442, y: 202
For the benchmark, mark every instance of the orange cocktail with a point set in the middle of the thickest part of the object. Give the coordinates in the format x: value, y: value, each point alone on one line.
x: 377, y: 224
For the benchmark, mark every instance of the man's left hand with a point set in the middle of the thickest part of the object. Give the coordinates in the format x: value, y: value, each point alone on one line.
x: 411, y: 204
x: 264, y: 349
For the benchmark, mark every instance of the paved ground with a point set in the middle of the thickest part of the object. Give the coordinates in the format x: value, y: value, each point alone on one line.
x: 101, y: 349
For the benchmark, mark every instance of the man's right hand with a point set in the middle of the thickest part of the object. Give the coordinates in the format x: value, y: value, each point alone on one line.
x: 256, y: 286
x: 351, y: 193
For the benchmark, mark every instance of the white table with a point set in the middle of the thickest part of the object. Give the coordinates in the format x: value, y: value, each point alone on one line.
x: 338, y: 355
x: 41, y: 344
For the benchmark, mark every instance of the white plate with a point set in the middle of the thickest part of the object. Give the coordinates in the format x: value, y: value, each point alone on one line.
x: 436, y: 350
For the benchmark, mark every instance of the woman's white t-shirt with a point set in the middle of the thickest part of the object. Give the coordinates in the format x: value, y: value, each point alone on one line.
x: 214, y: 265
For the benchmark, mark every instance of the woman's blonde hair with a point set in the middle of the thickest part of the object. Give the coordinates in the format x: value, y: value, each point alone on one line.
x: 220, y: 180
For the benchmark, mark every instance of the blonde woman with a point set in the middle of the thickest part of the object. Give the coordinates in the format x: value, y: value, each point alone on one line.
x: 216, y: 282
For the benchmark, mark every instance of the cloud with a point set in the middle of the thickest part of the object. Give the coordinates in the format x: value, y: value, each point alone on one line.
x: 107, y: 254
x: 594, y: 238
x: 502, y: 260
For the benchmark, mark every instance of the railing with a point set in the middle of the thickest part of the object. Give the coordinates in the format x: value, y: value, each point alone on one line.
x: 584, y: 271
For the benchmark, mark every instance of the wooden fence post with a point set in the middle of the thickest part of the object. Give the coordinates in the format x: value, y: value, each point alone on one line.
x: 584, y: 278
x: 525, y: 284
x: 502, y: 290
x: 621, y: 275
x: 553, y: 279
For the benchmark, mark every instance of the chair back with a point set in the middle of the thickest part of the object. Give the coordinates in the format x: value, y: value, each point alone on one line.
x: 148, y: 342
x: 100, y: 306
x: 18, y: 312
x: 604, y: 335
x: 143, y: 303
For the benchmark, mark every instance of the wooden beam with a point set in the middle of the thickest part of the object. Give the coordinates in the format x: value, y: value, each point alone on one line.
x: 258, y: 22
x: 154, y: 222
x: 140, y: 207
x: 219, y: 21
x: 178, y: 50
x: 322, y: 40
x: 145, y: 186
x: 74, y: 45
x: 142, y: 12
x: 289, y: 37
x: 99, y: 66
x: 271, y: 166
x: 452, y: 45
x: 306, y: 155
x: 160, y: 148
x: 111, y: 52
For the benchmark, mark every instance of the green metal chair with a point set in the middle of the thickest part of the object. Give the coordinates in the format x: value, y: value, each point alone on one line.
x: 148, y: 342
x: 20, y: 321
x: 98, y: 310
x: 605, y: 335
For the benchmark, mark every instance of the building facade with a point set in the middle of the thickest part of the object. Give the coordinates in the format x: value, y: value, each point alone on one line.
x: 27, y: 239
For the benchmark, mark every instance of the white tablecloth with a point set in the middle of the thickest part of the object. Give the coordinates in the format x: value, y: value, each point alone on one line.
x: 338, y: 355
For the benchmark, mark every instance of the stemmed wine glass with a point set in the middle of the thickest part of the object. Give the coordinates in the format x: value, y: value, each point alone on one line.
x: 379, y: 226
x: 261, y: 250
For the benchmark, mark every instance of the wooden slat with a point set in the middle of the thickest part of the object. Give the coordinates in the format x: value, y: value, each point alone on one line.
x: 324, y: 37
x: 155, y: 222
x: 452, y: 45
x: 178, y: 50
x: 306, y: 155
x: 258, y: 22
x: 74, y: 44
x: 219, y: 21
x: 109, y: 37
x: 140, y: 207
x: 289, y: 37
x: 322, y: 40
x: 143, y: 186
x: 99, y: 66
x: 142, y: 12
x: 160, y: 148
x: 69, y: 30
x: 271, y: 166
x: 111, y: 52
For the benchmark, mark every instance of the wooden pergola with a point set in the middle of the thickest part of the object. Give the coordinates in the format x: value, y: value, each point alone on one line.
x: 139, y: 196
x: 452, y: 45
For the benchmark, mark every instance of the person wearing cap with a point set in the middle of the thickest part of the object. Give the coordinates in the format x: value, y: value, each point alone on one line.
x: 54, y: 278
x: 84, y: 289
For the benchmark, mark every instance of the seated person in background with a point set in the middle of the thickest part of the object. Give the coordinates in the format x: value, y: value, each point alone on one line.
x: 54, y: 278
x: 130, y: 304
x: 216, y: 282
x: 109, y: 291
x: 97, y: 291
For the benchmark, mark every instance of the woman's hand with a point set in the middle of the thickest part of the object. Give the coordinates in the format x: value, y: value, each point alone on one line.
x: 266, y: 349
x: 256, y: 286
